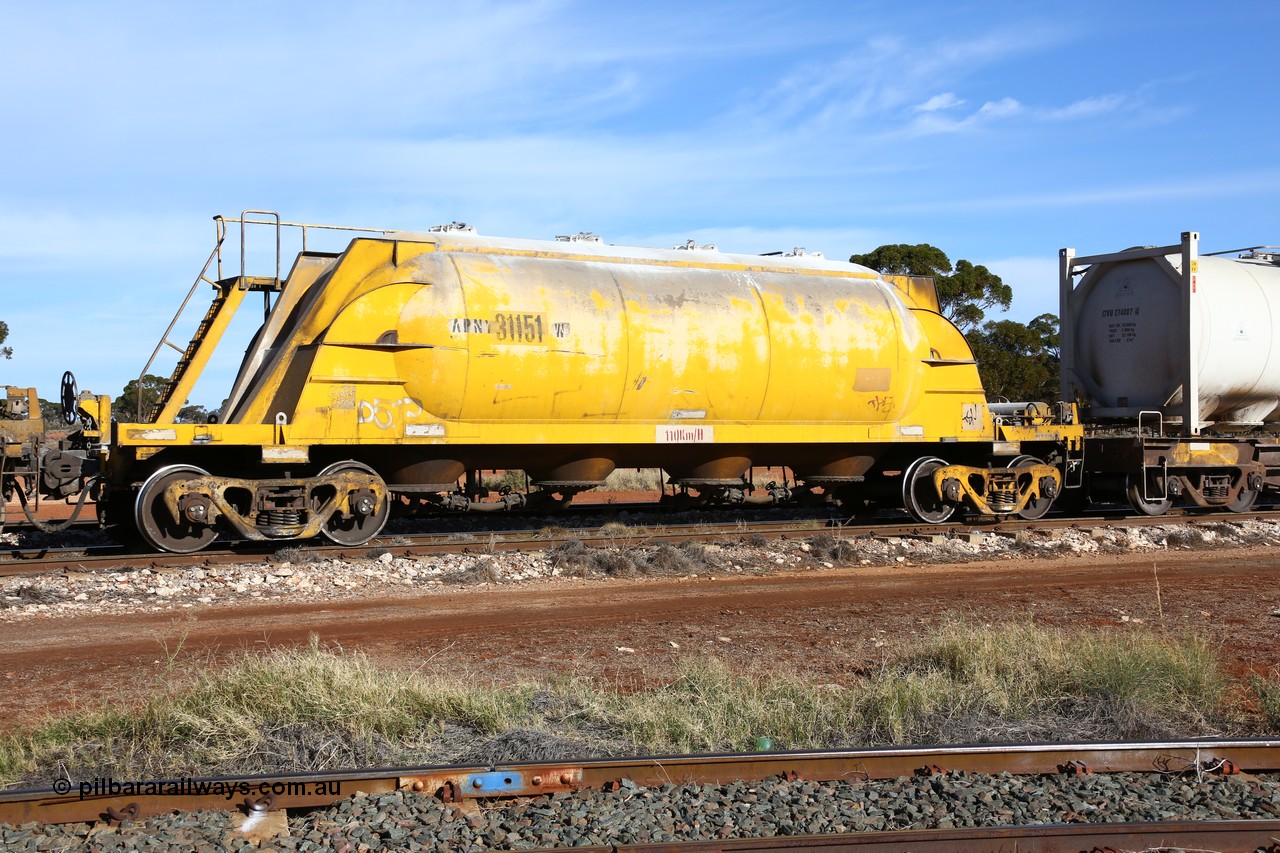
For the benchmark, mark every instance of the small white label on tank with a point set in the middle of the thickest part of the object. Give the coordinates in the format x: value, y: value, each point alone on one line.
x: 153, y: 434
x: 686, y: 414
x: 911, y: 430
x: 424, y: 429
x: 685, y: 435
x: 285, y: 454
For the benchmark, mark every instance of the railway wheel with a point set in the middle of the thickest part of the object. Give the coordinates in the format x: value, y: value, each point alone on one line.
x: 156, y: 524
x: 1037, y: 507
x: 358, y: 526
x: 1247, y: 496
x: 919, y: 497
x: 1135, y: 490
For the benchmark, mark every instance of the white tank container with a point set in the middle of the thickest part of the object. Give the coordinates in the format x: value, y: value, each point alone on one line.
x: 1130, y: 348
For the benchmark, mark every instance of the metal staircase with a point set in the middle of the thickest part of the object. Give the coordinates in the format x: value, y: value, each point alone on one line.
x: 229, y: 293
x: 210, y: 318
x: 228, y: 296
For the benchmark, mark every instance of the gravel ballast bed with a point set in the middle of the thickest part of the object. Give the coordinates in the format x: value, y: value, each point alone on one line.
x: 137, y: 591
x: 635, y: 814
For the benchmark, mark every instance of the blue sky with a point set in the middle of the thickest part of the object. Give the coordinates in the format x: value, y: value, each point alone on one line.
x: 999, y: 132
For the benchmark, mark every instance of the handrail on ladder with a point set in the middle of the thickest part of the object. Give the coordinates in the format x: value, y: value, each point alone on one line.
x: 164, y: 339
x: 220, y: 229
x: 243, y: 221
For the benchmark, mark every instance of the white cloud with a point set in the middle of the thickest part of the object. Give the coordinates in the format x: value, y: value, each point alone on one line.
x: 1088, y: 107
x: 999, y: 109
x: 882, y: 76
x: 944, y: 101
x: 934, y: 122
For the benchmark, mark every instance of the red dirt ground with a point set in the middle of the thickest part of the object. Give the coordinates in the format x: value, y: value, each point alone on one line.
x: 830, y: 623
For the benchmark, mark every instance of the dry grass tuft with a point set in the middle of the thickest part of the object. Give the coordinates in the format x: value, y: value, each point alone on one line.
x: 1266, y: 692
x: 836, y: 549
x: 295, y: 555
x: 699, y: 555
x: 1141, y: 683
x: 483, y: 570
x: 574, y: 559
x: 667, y: 559
x: 613, y: 562
x: 28, y: 593
x: 511, y: 480
x: 615, y: 530
x: 634, y: 480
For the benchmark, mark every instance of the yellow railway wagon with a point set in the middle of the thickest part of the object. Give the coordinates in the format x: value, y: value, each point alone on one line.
x: 411, y: 359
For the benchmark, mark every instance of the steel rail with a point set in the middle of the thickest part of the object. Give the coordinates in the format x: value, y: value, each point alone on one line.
x: 45, y: 560
x: 1228, y: 836
x: 72, y: 802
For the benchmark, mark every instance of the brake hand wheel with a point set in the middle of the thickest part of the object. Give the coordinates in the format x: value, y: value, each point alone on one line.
x: 69, y: 395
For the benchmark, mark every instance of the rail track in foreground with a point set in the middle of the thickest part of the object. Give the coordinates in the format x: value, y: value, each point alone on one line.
x: 16, y: 561
x: 264, y: 812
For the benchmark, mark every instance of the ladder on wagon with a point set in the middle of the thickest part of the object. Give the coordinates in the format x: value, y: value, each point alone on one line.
x: 228, y: 296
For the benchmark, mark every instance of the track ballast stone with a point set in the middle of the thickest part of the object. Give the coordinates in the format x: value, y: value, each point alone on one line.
x: 669, y: 813
x: 135, y: 591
